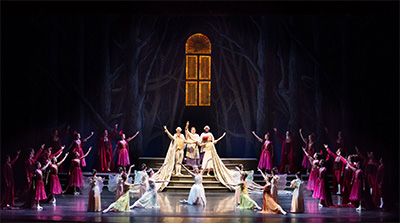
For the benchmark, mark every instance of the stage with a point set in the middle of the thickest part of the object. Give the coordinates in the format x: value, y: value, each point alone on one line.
x: 219, y: 208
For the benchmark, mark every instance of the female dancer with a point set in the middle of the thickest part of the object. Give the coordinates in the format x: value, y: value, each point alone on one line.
x: 150, y: 198
x: 55, y: 186
x: 309, y: 148
x: 297, y: 199
x: 75, y: 173
x: 245, y: 201
x: 312, y: 180
x: 274, y: 184
x: 192, y: 150
x: 267, y: 152
x: 8, y: 196
x: 105, y: 151
x: 240, y: 169
x: 123, y: 150
x: 94, y: 202
x: 208, y: 146
x: 77, y: 145
x: 338, y: 169
x: 178, y: 143
x: 286, y: 165
x: 55, y: 141
x: 196, y: 194
x: 40, y: 192
x: 115, y: 182
x: 122, y: 204
x: 141, y: 177
x: 323, y: 193
x: 269, y: 204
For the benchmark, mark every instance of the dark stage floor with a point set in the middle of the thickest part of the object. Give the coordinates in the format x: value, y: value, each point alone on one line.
x: 219, y: 208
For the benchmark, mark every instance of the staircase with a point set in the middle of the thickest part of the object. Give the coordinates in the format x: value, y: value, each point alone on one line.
x: 185, y: 182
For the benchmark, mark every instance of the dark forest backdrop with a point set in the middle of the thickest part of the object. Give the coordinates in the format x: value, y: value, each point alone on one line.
x: 288, y: 65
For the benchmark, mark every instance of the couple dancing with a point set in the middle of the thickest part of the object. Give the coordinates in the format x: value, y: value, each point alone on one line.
x: 207, y: 152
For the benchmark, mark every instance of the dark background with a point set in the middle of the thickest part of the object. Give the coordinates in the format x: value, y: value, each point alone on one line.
x: 286, y: 64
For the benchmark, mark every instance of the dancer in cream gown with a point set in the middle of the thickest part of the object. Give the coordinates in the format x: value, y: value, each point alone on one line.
x: 208, y: 148
x: 150, y: 197
x: 178, y: 143
x: 196, y: 194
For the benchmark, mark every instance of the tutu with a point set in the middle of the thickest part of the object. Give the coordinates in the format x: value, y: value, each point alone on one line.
x: 40, y: 192
x: 306, y: 163
x: 76, y: 177
x: 55, y: 186
x: 123, y: 157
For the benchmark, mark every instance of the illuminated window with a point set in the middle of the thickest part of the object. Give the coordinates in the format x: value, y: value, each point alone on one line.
x: 198, y: 70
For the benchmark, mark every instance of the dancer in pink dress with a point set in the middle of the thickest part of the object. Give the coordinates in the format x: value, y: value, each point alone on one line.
x: 324, y: 193
x: 267, y: 153
x: 286, y: 165
x: 40, y: 193
x: 77, y: 145
x: 360, y: 189
x: 8, y: 195
x: 104, y: 152
x: 314, y: 170
x: 30, y: 168
x: 55, y: 186
x: 75, y: 173
x: 347, y: 180
x: 309, y: 148
x: 123, y: 150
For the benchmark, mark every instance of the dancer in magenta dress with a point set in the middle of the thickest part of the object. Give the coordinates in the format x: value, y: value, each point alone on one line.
x: 105, y: 150
x: 75, y: 173
x: 40, y: 193
x: 267, y: 153
x: 55, y: 186
x: 30, y: 168
x: 347, y: 180
x: 370, y: 167
x: 360, y: 189
x: 8, y: 195
x: 314, y: 170
x: 123, y: 150
x: 286, y: 165
x: 77, y: 145
x: 324, y: 193
x: 309, y: 148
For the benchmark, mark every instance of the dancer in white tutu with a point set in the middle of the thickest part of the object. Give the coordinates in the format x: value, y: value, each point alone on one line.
x: 197, y: 194
x: 150, y: 197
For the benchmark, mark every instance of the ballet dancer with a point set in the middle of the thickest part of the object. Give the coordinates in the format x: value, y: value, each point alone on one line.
x: 311, y: 184
x: 40, y: 193
x: 204, y: 138
x: 94, y: 201
x: 286, y: 165
x: 245, y: 201
x: 123, y: 150
x: 309, y: 148
x: 297, y: 199
x: 104, y: 152
x: 77, y: 145
x: 338, y: 169
x: 75, y: 172
x: 267, y: 152
x: 7, y: 200
x: 55, y: 186
x: 208, y: 147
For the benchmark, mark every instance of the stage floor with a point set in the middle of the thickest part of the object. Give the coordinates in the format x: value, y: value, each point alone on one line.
x: 219, y: 208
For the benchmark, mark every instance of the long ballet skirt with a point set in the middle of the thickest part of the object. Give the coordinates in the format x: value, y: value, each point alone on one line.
x: 297, y: 205
x: 55, y: 186
x: 323, y: 188
x: 265, y: 162
x: 40, y: 191
x: 245, y: 201
x: 81, y: 154
x: 356, y: 189
x: 269, y: 204
x: 274, y: 189
x: 76, y: 174
x: 197, y: 191
x: 346, y: 189
x: 150, y: 198
x: 122, y: 204
x: 313, y: 177
x: 207, y: 156
x: 123, y: 157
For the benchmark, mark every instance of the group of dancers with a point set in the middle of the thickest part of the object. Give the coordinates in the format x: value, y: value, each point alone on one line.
x: 353, y: 176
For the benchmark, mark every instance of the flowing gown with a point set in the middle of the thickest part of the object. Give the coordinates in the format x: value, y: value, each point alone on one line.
x: 245, y: 201
x: 94, y: 202
x: 265, y: 162
x: 150, y: 198
x: 297, y: 199
x: 197, y: 191
x: 269, y: 204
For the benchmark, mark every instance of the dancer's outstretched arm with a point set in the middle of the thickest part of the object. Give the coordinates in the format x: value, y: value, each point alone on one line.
x: 263, y: 175
x: 301, y: 135
x: 129, y: 139
x: 202, y: 172
x: 59, y: 163
x: 255, y: 135
x: 130, y: 169
x: 159, y: 170
x: 190, y: 172
x: 310, y: 159
x: 87, y: 138
x: 90, y: 148
x: 168, y: 133
x: 215, y: 141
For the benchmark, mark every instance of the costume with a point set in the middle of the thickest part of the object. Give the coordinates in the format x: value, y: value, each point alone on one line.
x: 204, y: 138
x: 297, y: 199
x: 313, y: 176
x: 269, y: 204
x: 245, y: 201
x: 192, y: 149
x: 324, y: 193
x: 8, y: 195
x: 150, y: 198
x: 76, y: 177
x: 287, y: 152
x: 106, y: 154
x: 265, y: 162
x: 310, y: 151
x: 197, y: 191
x: 338, y: 170
x: 78, y: 148
x: 40, y: 192
x: 55, y: 186
x: 274, y: 188
x: 123, y: 153
x: 94, y: 202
